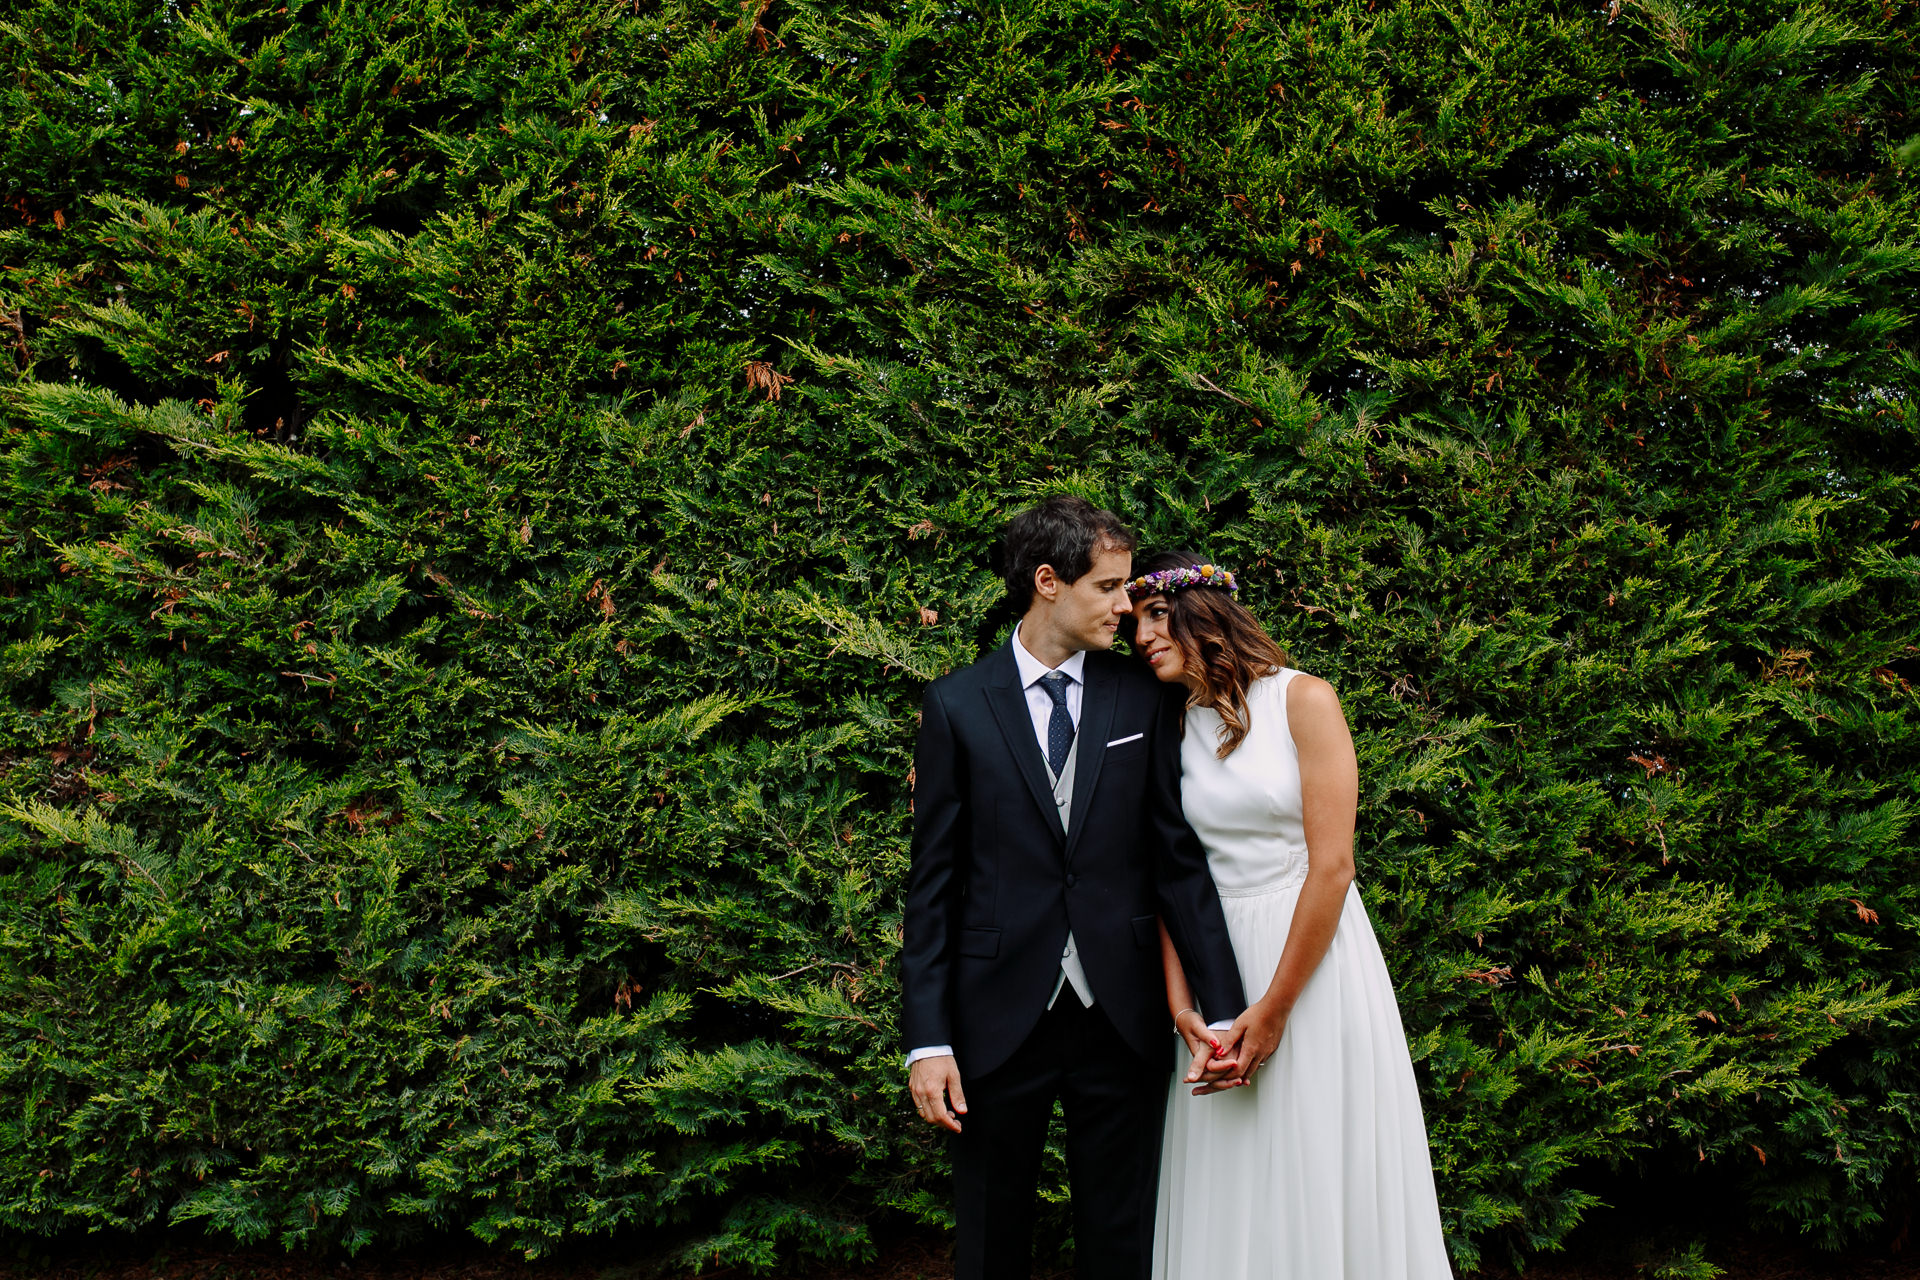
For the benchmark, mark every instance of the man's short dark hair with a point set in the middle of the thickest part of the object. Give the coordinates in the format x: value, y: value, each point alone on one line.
x: 1065, y: 532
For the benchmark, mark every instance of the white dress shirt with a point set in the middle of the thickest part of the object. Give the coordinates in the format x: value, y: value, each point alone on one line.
x: 1039, y: 703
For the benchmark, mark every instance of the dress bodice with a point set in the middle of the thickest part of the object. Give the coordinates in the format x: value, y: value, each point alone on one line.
x: 1246, y: 809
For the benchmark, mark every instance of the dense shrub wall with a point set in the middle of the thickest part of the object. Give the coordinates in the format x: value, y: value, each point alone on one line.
x: 485, y: 484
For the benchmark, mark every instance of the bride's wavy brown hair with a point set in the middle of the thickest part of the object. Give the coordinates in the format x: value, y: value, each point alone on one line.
x: 1221, y: 643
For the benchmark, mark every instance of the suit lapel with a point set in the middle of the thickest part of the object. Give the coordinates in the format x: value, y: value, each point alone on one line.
x: 1008, y: 702
x: 1096, y: 719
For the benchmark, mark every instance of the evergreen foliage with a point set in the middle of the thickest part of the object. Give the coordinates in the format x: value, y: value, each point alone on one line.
x: 485, y: 484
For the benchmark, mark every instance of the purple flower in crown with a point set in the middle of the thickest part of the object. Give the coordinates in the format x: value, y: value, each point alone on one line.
x: 1168, y: 581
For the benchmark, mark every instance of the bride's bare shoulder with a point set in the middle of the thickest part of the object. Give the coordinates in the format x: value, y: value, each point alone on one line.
x: 1311, y: 699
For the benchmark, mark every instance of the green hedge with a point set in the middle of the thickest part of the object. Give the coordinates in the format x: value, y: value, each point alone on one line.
x: 485, y: 485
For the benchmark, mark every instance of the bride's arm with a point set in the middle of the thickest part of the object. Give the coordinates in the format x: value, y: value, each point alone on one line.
x: 1202, y: 1043
x: 1329, y: 795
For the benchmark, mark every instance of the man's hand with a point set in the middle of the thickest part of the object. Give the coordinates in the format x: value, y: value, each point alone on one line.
x: 935, y: 1082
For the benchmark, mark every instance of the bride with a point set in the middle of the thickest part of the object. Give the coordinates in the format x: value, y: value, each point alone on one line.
x: 1311, y: 1161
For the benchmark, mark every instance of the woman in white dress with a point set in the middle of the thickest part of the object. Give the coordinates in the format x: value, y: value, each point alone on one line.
x: 1295, y: 1147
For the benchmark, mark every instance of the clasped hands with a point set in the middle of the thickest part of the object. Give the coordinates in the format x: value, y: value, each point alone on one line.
x: 1228, y: 1059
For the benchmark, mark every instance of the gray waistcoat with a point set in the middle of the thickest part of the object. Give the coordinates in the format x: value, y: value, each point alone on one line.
x: 1071, y: 971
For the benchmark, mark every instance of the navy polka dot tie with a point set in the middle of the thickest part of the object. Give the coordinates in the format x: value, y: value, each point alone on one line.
x: 1059, y: 724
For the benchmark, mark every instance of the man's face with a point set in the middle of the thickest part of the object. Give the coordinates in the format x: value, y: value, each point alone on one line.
x: 1087, y: 613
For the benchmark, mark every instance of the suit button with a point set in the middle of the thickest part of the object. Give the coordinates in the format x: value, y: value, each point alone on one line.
x: 1070, y: 880
x: 1059, y: 802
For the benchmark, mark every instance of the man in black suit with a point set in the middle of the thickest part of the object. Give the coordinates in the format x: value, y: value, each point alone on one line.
x: 1048, y: 845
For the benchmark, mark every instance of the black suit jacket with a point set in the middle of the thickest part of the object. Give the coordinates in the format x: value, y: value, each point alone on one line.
x: 996, y: 884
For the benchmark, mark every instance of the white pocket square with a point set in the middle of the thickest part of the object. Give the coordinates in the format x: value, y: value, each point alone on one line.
x: 1132, y: 737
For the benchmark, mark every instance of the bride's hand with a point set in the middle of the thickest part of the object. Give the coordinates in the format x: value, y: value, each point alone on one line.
x: 1204, y: 1045
x: 1254, y: 1037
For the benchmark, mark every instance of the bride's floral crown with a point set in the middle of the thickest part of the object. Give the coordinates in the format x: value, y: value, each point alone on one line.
x: 1168, y: 581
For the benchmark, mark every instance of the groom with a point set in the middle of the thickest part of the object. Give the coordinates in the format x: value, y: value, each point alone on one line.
x: 1048, y: 845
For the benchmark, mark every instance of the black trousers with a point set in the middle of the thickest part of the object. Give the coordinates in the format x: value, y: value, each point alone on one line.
x: 1115, y: 1106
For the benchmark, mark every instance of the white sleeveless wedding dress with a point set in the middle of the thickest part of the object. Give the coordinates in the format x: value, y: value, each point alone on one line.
x: 1318, y: 1170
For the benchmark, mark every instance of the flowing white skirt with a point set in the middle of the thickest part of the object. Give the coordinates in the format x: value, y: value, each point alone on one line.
x: 1319, y: 1169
